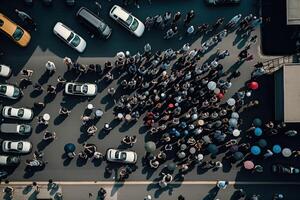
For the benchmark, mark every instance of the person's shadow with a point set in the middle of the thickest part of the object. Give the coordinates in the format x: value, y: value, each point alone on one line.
x: 212, y: 194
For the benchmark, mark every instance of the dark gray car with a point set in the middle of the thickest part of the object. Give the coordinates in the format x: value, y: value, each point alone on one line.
x: 93, y: 23
x: 22, y: 129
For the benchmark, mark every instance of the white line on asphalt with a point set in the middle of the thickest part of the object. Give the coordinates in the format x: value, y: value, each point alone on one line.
x: 151, y: 182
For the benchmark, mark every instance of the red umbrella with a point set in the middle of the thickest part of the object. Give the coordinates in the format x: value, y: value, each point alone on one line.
x: 248, y: 165
x: 253, y: 85
x: 220, y: 95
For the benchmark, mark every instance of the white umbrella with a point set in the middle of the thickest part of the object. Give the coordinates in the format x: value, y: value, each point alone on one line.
x: 231, y: 101
x: 233, y: 122
x: 217, y: 91
x: 211, y: 85
x: 235, y: 115
x: 286, y: 152
x: 236, y: 133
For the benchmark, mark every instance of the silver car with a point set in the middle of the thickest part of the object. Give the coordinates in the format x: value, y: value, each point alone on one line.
x: 16, y: 146
x: 115, y: 155
x: 22, y: 129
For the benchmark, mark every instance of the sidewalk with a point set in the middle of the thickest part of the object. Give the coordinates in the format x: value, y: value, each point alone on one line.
x: 132, y: 191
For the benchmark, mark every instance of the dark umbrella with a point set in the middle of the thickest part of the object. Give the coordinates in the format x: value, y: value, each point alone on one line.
x: 257, y: 122
x: 262, y: 143
x: 171, y: 166
x: 69, y: 147
x: 212, y: 148
x: 234, y: 148
x: 238, y: 155
x: 150, y: 147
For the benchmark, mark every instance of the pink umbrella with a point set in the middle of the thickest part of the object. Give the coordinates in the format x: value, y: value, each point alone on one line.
x: 248, y: 165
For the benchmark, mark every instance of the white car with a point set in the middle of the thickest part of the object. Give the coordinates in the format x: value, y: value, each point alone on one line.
x: 17, y: 113
x: 115, y: 155
x: 16, y: 146
x: 9, y: 160
x: 10, y: 91
x: 127, y: 20
x: 69, y: 37
x: 83, y: 89
x: 5, y: 71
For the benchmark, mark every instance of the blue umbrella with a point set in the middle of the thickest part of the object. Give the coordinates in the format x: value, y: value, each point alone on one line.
x: 257, y: 122
x: 69, y: 148
x: 255, y: 150
x: 235, y: 115
x: 258, y: 132
x: 212, y: 148
x: 185, y: 132
x: 173, y: 131
x: 276, y: 148
x: 262, y: 143
x: 233, y: 122
x: 177, y: 134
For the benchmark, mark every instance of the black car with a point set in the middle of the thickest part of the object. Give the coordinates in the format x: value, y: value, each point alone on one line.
x: 281, y: 169
x: 93, y: 23
x: 222, y: 2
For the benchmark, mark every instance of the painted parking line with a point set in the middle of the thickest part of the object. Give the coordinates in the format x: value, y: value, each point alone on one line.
x: 151, y: 182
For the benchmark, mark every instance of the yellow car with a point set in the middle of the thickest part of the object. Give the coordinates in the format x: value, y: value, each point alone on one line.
x: 15, y: 32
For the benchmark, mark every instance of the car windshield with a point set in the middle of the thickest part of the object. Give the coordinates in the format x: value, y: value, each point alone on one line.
x: 134, y: 25
x: 129, y: 20
x: 17, y: 35
x: 120, y: 155
x: 3, y: 89
x: 70, y: 37
x: 20, y: 112
x: 84, y: 88
x: 20, y: 146
x: 9, y: 145
x: 9, y: 111
x: 16, y: 92
x: 22, y: 129
x: 75, y: 42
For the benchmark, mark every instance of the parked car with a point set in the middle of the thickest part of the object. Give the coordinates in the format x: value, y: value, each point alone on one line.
x: 83, y: 89
x: 14, y: 31
x: 222, y: 2
x: 115, y: 155
x: 5, y: 71
x: 16, y: 146
x: 9, y: 160
x: 93, y: 23
x: 10, y: 91
x: 281, y: 169
x: 22, y: 129
x: 69, y: 37
x: 17, y: 113
x: 70, y: 2
x: 127, y: 20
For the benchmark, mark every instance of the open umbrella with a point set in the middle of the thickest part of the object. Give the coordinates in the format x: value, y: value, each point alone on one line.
x: 235, y: 115
x: 262, y: 143
x: 236, y: 133
x: 234, y: 148
x: 253, y: 85
x: 231, y: 101
x: 257, y: 122
x: 211, y: 85
x: 218, y: 123
x: 233, y: 122
x: 150, y: 147
x: 181, y: 155
x: 217, y: 91
x: 220, y: 95
x: 286, y: 152
x: 276, y: 148
x: 171, y: 166
x: 238, y: 155
x: 248, y: 165
x: 69, y: 148
x: 212, y: 148
x: 257, y: 132
x: 255, y: 150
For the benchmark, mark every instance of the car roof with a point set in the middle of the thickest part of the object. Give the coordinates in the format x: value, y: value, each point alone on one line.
x: 7, y: 25
x: 62, y: 30
x: 120, y: 12
x: 90, y: 16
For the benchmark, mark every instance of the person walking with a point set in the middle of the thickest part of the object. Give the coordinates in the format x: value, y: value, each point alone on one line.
x: 176, y: 18
x: 189, y: 16
x: 50, y: 67
x: 26, y: 18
